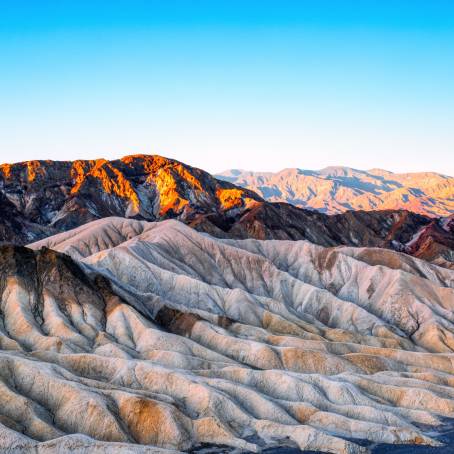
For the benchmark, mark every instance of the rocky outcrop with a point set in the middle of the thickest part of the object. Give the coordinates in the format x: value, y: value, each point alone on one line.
x: 14, y: 226
x: 159, y: 335
x: 338, y: 189
x: 66, y: 194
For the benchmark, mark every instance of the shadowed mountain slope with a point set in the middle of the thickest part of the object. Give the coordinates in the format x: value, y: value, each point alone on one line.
x: 404, y: 231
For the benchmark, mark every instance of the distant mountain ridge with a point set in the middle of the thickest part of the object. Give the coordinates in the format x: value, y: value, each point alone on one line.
x: 335, y: 190
x: 43, y: 198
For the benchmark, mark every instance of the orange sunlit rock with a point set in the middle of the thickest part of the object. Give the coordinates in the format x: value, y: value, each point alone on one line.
x: 113, y: 181
x: 169, y: 197
x: 230, y: 198
x: 33, y: 169
x: 5, y: 169
x: 188, y: 177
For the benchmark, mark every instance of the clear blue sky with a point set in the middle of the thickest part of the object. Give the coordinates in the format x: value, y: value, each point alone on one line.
x: 230, y: 83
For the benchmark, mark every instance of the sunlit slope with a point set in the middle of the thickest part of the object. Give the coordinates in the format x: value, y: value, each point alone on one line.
x: 65, y: 194
x: 338, y: 189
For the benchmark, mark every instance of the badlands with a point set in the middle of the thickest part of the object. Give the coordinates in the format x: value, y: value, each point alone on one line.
x: 131, y: 336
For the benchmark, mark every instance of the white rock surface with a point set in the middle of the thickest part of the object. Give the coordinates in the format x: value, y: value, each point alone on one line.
x: 243, y: 343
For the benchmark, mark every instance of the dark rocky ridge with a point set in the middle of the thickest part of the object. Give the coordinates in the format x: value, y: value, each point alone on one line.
x: 41, y: 198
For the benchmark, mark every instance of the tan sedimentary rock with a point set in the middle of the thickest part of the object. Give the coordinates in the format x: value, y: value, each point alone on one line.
x: 163, y: 338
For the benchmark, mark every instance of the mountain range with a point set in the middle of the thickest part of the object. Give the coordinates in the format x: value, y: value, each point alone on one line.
x: 147, y: 306
x: 42, y: 198
x: 338, y: 189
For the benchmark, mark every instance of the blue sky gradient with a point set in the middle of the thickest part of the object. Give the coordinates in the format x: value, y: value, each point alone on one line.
x: 218, y: 84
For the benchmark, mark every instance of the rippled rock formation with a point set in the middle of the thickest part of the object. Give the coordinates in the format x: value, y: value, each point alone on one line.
x: 159, y: 337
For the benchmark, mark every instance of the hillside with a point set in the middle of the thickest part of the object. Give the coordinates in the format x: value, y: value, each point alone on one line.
x: 165, y: 337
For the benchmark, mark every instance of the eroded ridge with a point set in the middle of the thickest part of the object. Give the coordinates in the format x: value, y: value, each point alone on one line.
x: 158, y: 337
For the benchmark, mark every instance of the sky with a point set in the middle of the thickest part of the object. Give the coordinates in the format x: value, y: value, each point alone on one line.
x: 218, y: 84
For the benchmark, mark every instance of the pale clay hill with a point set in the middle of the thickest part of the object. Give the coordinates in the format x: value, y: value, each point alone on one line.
x: 164, y: 338
x: 338, y: 189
